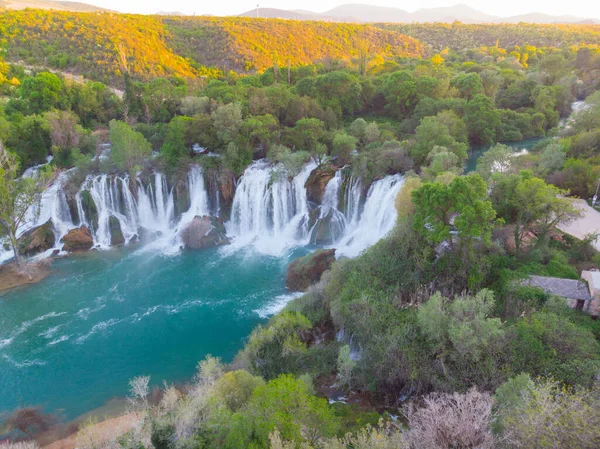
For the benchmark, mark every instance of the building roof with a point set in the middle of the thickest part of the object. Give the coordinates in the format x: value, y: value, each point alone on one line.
x: 567, y: 288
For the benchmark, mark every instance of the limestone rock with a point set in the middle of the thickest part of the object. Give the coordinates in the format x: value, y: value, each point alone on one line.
x: 116, y: 234
x: 317, y: 183
x: 204, y: 232
x: 78, y: 239
x: 307, y: 270
x: 37, y: 240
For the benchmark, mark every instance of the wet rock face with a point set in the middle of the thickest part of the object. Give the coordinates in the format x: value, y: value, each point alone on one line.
x: 306, y: 271
x: 37, y: 240
x: 89, y: 208
x: 116, y: 234
x: 204, y: 232
x: 78, y: 239
x: 317, y: 183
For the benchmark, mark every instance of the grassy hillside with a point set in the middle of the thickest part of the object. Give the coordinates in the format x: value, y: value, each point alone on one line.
x: 246, y: 44
x: 459, y: 36
x: 96, y: 44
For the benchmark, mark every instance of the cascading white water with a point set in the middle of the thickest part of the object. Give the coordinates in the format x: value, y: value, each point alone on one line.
x: 329, y: 214
x: 270, y: 214
x: 377, y: 219
x: 52, y: 206
x: 112, y: 198
x: 156, y: 207
x: 153, y: 213
x: 352, y: 198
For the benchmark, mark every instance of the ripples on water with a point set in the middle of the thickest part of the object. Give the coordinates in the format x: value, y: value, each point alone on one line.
x: 74, y: 340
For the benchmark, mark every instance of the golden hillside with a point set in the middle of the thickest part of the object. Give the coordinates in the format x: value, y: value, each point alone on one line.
x: 100, y: 45
x: 247, y: 44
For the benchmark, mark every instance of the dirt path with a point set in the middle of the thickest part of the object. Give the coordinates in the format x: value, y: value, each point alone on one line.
x: 589, y: 223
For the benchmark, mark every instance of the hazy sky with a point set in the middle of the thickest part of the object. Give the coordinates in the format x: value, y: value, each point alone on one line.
x: 583, y: 8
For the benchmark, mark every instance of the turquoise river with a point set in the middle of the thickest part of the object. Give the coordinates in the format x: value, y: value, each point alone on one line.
x: 74, y: 340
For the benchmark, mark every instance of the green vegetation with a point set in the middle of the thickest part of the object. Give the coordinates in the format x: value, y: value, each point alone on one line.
x: 432, y: 320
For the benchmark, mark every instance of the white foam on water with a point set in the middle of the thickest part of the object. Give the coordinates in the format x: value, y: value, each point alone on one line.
x: 277, y: 304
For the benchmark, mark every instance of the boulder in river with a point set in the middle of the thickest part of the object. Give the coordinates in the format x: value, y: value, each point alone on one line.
x: 78, y: 239
x: 204, y: 232
x: 317, y: 183
x: 37, y: 240
x: 116, y: 234
x: 307, y: 270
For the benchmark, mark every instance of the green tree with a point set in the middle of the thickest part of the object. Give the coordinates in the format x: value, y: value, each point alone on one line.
x: 174, y: 147
x: 228, y: 120
x: 431, y: 133
x: 400, y: 92
x: 463, y: 333
x: 552, y: 159
x: 492, y: 82
x: 463, y: 204
x: 29, y: 139
x: 18, y: 197
x: 497, y: 159
x: 129, y: 148
x: 42, y: 92
x: 482, y: 119
x: 343, y: 146
x: 284, y: 404
x: 468, y: 84
x: 547, y: 414
x: 531, y: 203
x: 237, y: 158
x: 65, y: 134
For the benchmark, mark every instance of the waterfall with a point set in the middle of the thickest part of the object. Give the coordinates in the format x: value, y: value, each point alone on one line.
x: 156, y: 206
x: 270, y: 211
x: 112, y: 198
x: 271, y: 214
x: 152, y: 215
x: 352, y: 196
x: 377, y: 219
x: 52, y: 206
x: 331, y: 223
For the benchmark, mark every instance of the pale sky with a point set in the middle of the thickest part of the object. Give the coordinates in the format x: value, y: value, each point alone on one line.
x: 504, y: 8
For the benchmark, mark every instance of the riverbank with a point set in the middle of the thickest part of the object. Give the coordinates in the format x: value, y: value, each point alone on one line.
x: 99, y: 433
x: 12, y: 277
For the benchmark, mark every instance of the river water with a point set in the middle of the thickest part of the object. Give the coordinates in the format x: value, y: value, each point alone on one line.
x: 74, y: 340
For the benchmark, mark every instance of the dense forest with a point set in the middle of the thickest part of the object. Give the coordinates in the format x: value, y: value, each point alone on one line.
x: 431, y: 329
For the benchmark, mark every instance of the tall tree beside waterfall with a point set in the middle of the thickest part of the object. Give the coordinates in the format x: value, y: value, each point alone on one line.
x: 18, y: 196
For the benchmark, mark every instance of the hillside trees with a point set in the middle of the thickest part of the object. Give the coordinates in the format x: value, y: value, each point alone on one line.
x: 129, y: 148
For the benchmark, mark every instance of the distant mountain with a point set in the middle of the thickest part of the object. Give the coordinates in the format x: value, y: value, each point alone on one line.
x: 461, y: 13
x: 274, y: 13
x: 170, y: 13
x: 361, y: 13
x: 545, y: 19
x: 50, y: 4
x: 369, y: 13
